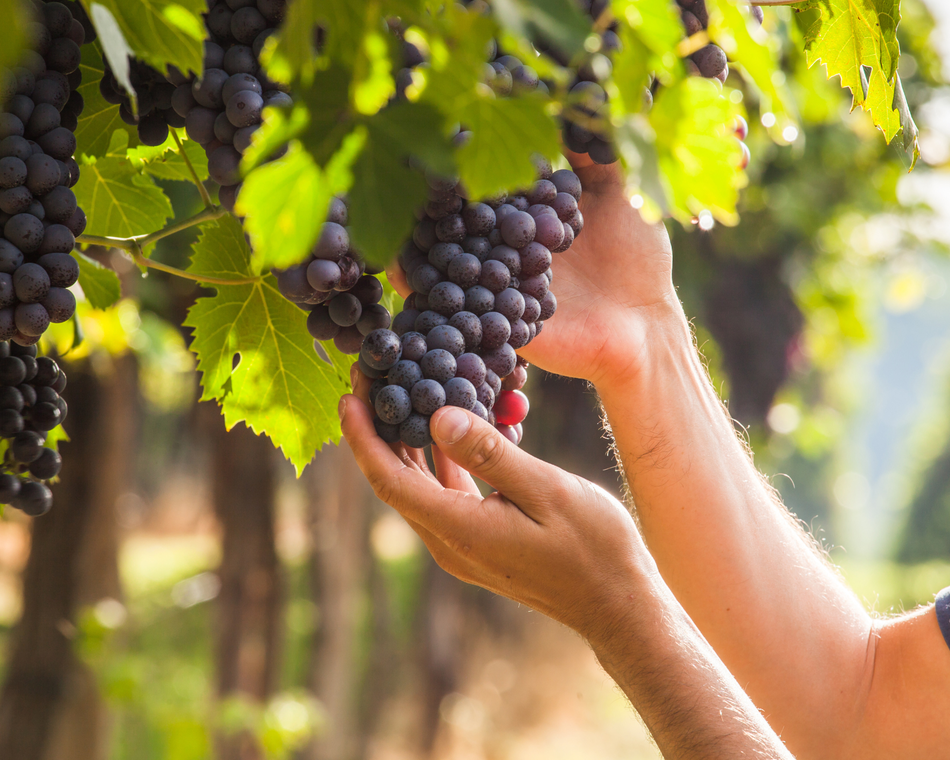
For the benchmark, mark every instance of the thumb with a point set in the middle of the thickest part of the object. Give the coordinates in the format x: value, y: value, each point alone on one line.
x: 476, y: 446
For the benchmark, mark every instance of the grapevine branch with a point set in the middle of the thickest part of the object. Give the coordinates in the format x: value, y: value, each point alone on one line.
x: 135, y: 246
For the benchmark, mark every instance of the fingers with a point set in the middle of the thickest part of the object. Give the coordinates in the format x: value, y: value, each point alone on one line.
x: 419, y: 498
x: 397, y: 278
x: 450, y: 474
x: 535, y: 486
x: 594, y: 176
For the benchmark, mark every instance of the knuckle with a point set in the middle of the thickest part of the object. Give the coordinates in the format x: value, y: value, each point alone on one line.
x: 487, y: 450
x: 383, y: 487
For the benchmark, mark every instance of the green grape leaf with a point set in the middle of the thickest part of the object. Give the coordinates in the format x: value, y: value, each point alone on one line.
x: 115, y: 49
x: 558, y: 23
x: 506, y: 132
x: 280, y: 386
x: 13, y: 35
x: 851, y: 36
x: 381, y: 219
x: 101, y: 285
x: 165, y: 161
x: 285, y: 202
x: 99, y: 120
x: 118, y: 200
x: 697, y: 156
x: 159, y: 32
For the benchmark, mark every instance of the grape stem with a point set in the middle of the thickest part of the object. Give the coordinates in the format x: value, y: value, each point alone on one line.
x: 135, y: 245
x: 205, y: 197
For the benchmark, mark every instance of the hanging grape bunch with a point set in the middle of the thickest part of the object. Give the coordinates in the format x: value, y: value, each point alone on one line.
x: 39, y: 218
x: 480, y: 274
x: 30, y: 406
x: 153, y: 95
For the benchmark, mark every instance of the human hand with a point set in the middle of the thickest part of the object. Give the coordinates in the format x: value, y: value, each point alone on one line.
x: 613, y: 285
x: 545, y: 538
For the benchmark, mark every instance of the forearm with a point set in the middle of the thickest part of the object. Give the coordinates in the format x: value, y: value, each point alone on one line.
x: 692, y: 705
x: 777, y: 614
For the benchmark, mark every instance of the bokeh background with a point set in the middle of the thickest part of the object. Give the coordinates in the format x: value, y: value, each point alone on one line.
x: 214, y: 606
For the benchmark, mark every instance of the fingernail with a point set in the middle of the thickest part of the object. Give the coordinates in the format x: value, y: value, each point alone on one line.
x: 353, y: 374
x: 341, y: 409
x: 452, y: 424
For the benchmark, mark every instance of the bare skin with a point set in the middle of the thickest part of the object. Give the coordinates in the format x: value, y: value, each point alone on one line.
x: 832, y: 682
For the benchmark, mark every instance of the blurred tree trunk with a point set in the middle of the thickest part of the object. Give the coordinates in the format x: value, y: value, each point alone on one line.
x: 250, y: 601
x: 50, y: 707
x: 340, y: 503
x: 442, y: 623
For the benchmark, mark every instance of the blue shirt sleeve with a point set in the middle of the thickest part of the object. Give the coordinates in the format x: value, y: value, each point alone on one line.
x: 943, y: 613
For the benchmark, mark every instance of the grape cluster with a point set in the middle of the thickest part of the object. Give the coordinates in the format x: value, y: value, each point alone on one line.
x: 30, y: 406
x: 334, y: 285
x: 39, y: 217
x: 153, y: 95
x: 222, y: 108
x: 480, y: 274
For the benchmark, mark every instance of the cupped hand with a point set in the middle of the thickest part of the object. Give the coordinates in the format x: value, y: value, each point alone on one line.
x: 545, y: 538
x: 612, y: 285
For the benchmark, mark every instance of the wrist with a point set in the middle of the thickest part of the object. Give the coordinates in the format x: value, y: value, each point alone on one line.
x: 647, y: 337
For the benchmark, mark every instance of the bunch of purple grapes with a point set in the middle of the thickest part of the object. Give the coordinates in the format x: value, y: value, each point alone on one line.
x: 30, y: 406
x: 39, y: 217
x: 334, y: 285
x: 480, y: 274
x: 222, y: 108
x: 153, y: 95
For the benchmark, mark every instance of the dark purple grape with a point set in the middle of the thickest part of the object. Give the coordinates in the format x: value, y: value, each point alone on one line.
x: 11, y: 423
x: 496, y: 330
x: 223, y: 129
x: 479, y: 219
x: 543, y: 191
x: 447, y: 338
x: 535, y: 259
x: 183, y: 100
x: 349, y: 340
x: 460, y: 392
x: 17, y: 146
x: 60, y: 304
x: 426, y: 277
x: 57, y: 238
x: 405, y: 321
x: 477, y: 246
x: 405, y: 374
x: 484, y: 392
x: 427, y: 320
x: 520, y: 334
x: 446, y: 298
x: 32, y: 319
x: 567, y: 182
x: 414, y: 432
x: 423, y: 235
x: 12, y: 172
x: 59, y: 204
x: 451, y: 229
x: 293, y: 284
x: 510, y: 304
x: 320, y: 325
x: 427, y: 396
x: 43, y: 174
x: 439, y: 365
x: 57, y: 18
x: 323, y: 275
x: 393, y: 404
x: 389, y: 433
x: 34, y: 499
x: 246, y: 24
x: 224, y: 165
x: 333, y: 243
x: 199, y: 124
x: 47, y: 370
x: 9, y: 488
x: 470, y: 326
x: 471, y: 367
x: 501, y: 361
x: 44, y: 416
x: 503, y: 212
x: 507, y: 256
x: 601, y: 151
x: 10, y: 125
x: 244, y: 108
x: 47, y: 465
x: 550, y: 232
x: 351, y: 273
x: 10, y: 257
x: 479, y: 299
x: 368, y: 289
x: 15, y: 200
x: 374, y: 317
x: 345, y: 309
x: 11, y: 398
x: 64, y: 55
x: 495, y: 276
x: 711, y: 61
x: 76, y: 223
x: 442, y: 254
x: 414, y: 346
x: 27, y: 446
x: 24, y: 231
